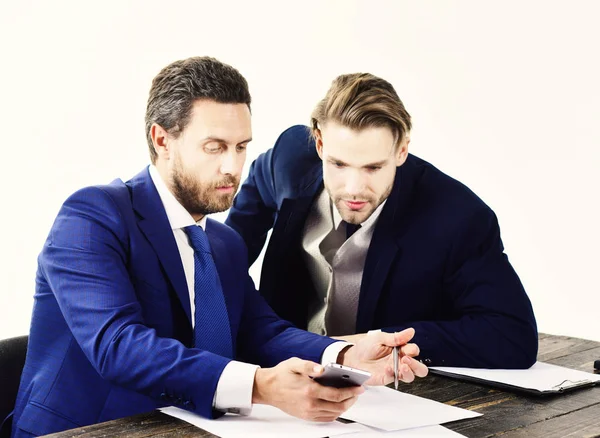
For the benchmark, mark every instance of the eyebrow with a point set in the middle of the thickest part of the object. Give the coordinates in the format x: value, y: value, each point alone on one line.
x: 374, y: 164
x: 221, y: 140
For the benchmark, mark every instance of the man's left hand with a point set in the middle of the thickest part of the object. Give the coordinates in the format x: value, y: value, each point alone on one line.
x: 373, y: 353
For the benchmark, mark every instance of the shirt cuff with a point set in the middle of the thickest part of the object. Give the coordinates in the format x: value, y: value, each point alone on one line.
x: 332, y: 352
x: 234, y: 390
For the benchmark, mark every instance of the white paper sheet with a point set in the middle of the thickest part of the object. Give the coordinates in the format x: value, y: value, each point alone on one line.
x: 387, y: 409
x: 419, y: 432
x: 265, y: 421
x: 541, y: 376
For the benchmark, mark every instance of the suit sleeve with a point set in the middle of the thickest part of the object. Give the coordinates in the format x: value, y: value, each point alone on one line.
x: 85, y: 263
x: 494, y: 325
x: 253, y: 211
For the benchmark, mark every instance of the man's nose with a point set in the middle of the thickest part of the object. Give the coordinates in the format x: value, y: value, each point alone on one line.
x: 355, y: 184
x: 232, y: 163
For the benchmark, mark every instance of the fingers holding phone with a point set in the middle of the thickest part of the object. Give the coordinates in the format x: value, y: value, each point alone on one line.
x: 291, y: 387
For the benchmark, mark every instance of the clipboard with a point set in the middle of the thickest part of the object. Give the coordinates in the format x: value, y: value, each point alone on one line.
x: 541, y: 379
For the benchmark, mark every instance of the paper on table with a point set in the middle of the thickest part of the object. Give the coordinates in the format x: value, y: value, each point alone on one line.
x: 388, y: 409
x: 543, y: 377
x: 265, y: 421
x: 419, y: 432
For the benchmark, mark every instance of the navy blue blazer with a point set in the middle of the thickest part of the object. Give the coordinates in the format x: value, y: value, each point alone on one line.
x: 111, y: 334
x: 435, y: 262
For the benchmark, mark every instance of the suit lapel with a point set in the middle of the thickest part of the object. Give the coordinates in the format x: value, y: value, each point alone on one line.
x: 155, y: 226
x: 293, y: 212
x: 384, y: 247
x: 284, y: 252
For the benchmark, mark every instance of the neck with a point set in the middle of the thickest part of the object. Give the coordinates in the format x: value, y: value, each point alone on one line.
x: 164, y: 174
x: 197, y: 217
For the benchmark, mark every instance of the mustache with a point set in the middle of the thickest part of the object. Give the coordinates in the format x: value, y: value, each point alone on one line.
x: 228, y: 180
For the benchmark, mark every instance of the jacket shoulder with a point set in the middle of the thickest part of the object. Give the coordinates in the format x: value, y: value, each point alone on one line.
x: 443, y: 203
x: 294, y: 152
x: 445, y: 190
x: 106, y: 204
x: 117, y: 191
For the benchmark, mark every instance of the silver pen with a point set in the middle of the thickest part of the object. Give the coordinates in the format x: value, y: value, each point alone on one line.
x: 396, y: 367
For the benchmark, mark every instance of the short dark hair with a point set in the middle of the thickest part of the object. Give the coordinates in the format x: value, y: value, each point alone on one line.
x: 175, y: 89
x: 362, y: 100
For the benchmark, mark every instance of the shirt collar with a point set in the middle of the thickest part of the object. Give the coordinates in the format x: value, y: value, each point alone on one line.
x: 177, y: 215
x: 337, y: 219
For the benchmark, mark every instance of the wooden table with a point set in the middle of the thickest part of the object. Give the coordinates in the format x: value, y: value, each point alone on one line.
x: 575, y: 414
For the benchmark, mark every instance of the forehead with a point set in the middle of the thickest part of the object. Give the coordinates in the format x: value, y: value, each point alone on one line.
x: 357, y: 147
x: 228, y: 121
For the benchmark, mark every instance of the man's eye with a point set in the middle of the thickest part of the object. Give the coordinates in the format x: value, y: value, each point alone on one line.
x: 373, y: 168
x: 212, y: 149
x: 338, y: 165
x: 241, y: 148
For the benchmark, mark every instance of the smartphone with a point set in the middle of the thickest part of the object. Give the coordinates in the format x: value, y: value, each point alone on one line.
x: 340, y: 376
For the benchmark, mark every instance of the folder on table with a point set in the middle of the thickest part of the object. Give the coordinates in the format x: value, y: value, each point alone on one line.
x: 541, y: 379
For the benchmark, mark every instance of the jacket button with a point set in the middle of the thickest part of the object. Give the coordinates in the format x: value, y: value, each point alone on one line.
x: 164, y: 396
x: 427, y: 361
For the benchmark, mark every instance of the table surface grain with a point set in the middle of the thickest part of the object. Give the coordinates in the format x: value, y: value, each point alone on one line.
x: 506, y: 414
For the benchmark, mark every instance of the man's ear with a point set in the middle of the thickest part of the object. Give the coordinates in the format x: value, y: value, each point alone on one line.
x: 318, y: 142
x: 402, y: 152
x: 160, y: 141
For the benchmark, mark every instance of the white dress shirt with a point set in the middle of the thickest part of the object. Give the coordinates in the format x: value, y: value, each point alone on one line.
x: 234, y: 390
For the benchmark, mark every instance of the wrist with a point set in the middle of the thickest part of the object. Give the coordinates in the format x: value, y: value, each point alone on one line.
x: 262, y: 382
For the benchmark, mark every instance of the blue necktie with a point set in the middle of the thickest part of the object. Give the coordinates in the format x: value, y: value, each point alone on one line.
x: 211, y: 323
x: 351, y: 229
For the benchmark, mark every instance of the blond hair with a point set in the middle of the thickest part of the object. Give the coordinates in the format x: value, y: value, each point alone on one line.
x: 362, y: 100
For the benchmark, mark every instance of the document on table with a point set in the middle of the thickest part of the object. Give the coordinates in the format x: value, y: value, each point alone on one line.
x: 419, y: 432
x: 265, y: 421
x: 387, y: 409
x: 380, y: 407
x: 541, y: 378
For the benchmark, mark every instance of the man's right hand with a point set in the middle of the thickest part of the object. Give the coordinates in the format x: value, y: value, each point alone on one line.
x: 288, y: 387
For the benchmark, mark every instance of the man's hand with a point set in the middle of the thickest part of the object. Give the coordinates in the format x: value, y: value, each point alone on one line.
x: 289, y: 388
x: 373, y: 353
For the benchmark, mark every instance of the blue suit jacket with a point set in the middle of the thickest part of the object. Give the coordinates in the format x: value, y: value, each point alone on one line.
x: 435, y: 261
x: 111, y: 333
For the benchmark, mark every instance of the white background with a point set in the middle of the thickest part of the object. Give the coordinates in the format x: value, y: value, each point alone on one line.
x: 504, y: 96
